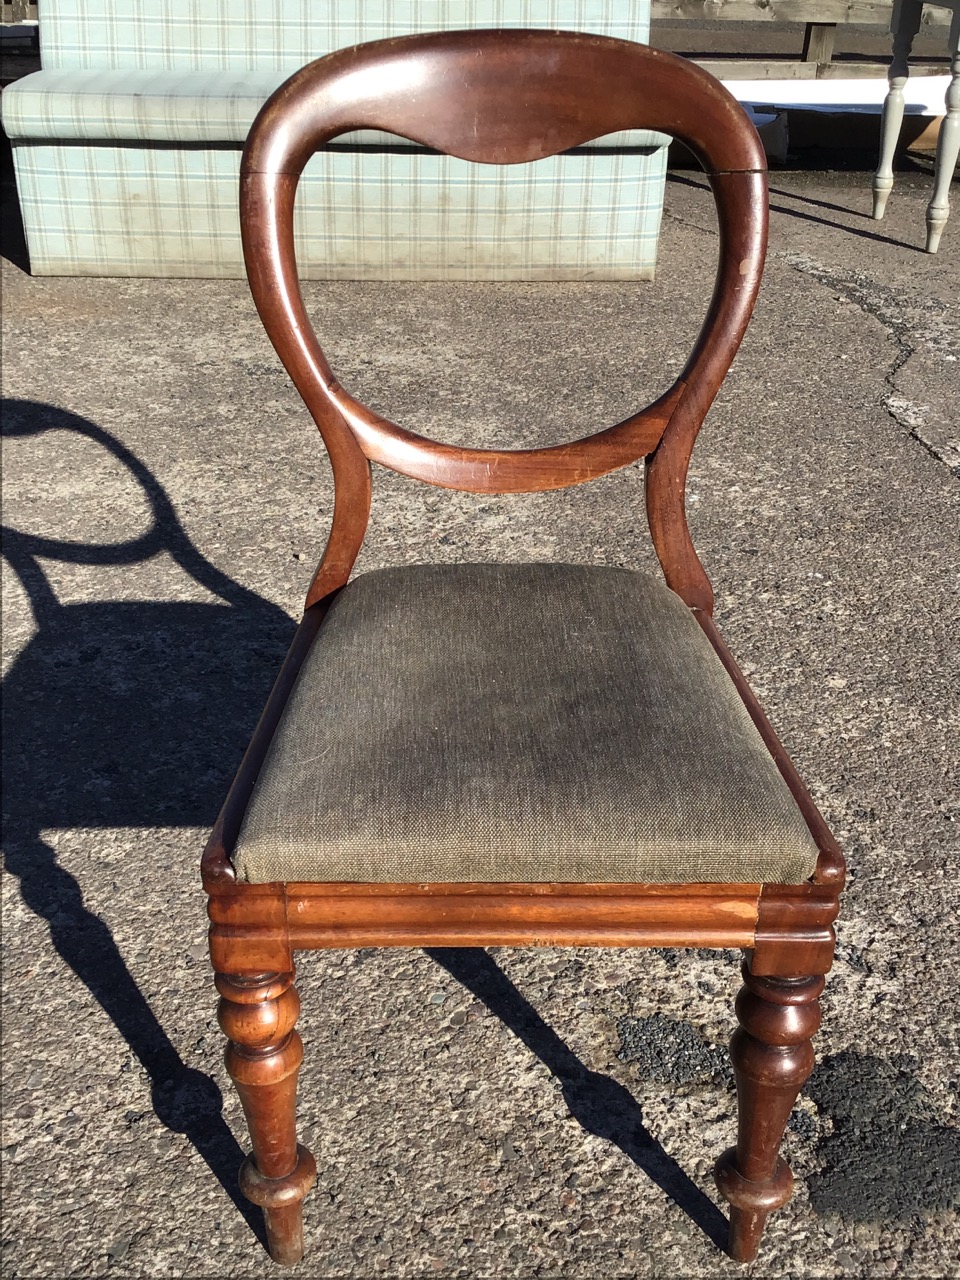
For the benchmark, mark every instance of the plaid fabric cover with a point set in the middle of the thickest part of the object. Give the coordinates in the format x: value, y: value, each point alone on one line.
x: 172, y: 106
x: 284, y: 34
x: 127, y: 148
x: 137, y: 211
x: 160, y: 106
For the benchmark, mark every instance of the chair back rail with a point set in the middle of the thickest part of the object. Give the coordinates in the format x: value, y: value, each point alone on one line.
x: 504, y: 97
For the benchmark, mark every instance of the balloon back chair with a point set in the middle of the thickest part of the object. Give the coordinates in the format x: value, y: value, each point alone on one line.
x: 513, y: 754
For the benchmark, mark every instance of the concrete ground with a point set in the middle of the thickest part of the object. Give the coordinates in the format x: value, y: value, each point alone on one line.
x: 512, y: 1113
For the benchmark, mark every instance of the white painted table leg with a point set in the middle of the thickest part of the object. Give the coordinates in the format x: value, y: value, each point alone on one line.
x: 904, y: 24
x: 948, y: 146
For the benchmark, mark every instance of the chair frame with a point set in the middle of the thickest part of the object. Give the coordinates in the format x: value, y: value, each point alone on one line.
x: 508, y: 97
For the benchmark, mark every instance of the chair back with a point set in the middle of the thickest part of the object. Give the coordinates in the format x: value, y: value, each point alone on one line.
x: 504, y: 97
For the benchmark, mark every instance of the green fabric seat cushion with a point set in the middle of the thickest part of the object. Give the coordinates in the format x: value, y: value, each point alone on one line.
x: 535, y: 723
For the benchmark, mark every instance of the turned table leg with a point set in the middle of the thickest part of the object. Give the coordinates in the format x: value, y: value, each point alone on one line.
x: 904, y: 24
x: 772, y: 1057
x: 258, y: 1013
x: 948, y: 145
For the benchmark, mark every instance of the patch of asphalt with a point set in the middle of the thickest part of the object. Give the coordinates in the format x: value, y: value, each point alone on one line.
x: 883, y: 1151
x: 923, y: 381
x: 889, y: 1157
x: 663, y: 1050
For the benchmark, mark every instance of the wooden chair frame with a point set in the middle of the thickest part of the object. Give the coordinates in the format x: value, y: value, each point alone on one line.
x: 508, y: 97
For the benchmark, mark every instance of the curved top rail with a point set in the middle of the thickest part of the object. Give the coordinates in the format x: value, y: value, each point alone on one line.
x: 501, y: 97
x: 498, y: 97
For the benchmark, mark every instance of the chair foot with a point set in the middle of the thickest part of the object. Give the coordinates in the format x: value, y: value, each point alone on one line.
x: 881, y: 194
x: 281, y: 1201
x: 934, y: 232
x: 772, y: 1057
x: 750, y: 1202
x: 258, y: 1013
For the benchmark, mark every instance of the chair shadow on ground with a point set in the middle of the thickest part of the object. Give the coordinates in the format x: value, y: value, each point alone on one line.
x: 790, y: 212
x: 134, y: 714
x: 600, y: 1104
x: 128, y: 714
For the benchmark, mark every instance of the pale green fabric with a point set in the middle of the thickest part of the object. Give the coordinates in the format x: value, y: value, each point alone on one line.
x: 120, y: 210
x: 179, y: 106
x: 541, y: 723
x: 220, y: 35
x: 127, y: 150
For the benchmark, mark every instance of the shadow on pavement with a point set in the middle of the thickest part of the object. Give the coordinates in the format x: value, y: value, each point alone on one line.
x: 128, y: 714
x: 888, y: 1157
x: 812, y: 217
x: 600, y: 1104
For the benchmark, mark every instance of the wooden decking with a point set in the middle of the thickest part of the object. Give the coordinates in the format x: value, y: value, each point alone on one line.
x: 763, y: 48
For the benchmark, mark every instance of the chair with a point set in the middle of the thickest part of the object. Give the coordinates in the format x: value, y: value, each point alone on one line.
x: 521, y: 755
x: 904, y: 25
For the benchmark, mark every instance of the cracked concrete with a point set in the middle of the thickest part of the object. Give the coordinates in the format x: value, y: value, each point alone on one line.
x: 924, y: 375
x: 927, y: 333
x: 523, y: 1113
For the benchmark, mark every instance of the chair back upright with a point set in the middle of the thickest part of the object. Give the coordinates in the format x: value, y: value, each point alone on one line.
x: 505, y: 97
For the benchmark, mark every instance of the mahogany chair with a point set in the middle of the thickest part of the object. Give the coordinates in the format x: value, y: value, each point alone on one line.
x: 522, y: 754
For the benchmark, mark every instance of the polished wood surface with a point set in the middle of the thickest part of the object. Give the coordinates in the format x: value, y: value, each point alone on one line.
x: 267, y: 923
x: 772, y: 1057
x: 509, y: 97
x: 258, y: 1014
x: 502, y: 99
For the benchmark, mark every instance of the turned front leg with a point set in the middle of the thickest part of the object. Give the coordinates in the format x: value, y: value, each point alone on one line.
x: 258, y: 1014
x: 905, y: 24
x: 948, y: 146
x: 772, y: 1057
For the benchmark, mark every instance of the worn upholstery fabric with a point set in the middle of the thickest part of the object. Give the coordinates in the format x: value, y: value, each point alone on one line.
x: 518, y: 723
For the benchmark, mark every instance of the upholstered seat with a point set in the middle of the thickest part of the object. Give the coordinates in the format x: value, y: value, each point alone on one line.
x: 536, y: 722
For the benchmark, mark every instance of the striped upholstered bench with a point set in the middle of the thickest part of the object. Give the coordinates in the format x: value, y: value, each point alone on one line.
x: 127, y: 147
